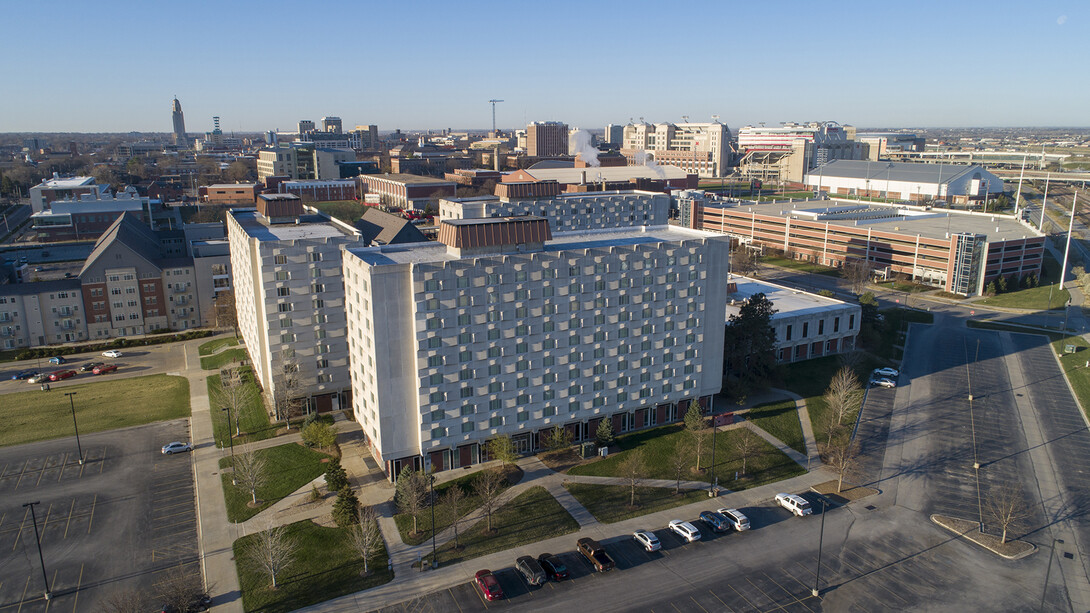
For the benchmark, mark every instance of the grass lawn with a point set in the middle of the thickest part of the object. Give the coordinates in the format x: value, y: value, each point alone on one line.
x: 211, y: 346
x: 898, y: 285
x: 347, y: 211
x: 404, y: 521
x: 532, y: 516
x: 810, y: 378
x: 105, y: 404
x: 254, y: 422
x: 781, y: 420
x: 325, y: 567
x: 800, y: 265
x: 1074, y: 366
x: 288, y: 468
x: 223, y: 358
x: 609, y: 503
x: 1035, y: 298
x: 767, y: 466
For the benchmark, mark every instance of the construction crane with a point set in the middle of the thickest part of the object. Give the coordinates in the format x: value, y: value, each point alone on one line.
x: 493, y: 103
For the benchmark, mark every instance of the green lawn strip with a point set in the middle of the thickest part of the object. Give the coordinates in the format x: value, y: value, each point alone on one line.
x: 810, y: 378
x: 101, y: 404
x: 532, y: 516
x: 609, y: 503
x: 800, y: 265
x: 766, y: 466
x: 223, y: 358
x: 253, y: 424
x: 211, y: 346
x: 781, y: 420
x: 325, y: 567
x: 404, y: 521
x: 898, y: 285
x: 1074, y: 364
x: 347, y: 211
x: 288, y: 468
x: 1035, y: 298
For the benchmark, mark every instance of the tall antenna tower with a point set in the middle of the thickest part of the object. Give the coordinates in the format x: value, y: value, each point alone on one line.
x: 493, y: 103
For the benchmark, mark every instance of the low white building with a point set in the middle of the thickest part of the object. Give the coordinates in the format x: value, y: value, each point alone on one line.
x: 905, y: 180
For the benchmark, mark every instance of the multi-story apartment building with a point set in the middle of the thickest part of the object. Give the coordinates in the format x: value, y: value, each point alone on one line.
x: 301, y: 161
x: 565, y: 212
x: 43, y: 313
x: 289, y: 296
x: 547, y: 139
x: 503, y: 328
x: 698, y: 148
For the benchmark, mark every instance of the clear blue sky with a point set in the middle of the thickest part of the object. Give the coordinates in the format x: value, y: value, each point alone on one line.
x: 115, y: 66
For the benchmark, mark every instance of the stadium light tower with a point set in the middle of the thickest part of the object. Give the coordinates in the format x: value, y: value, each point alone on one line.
x: 493, y: 103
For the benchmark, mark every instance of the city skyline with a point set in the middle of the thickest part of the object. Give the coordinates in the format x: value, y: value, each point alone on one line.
x: 931, y: 64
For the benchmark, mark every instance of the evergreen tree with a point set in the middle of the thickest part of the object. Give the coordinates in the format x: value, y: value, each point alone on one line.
x: 604, y: 434
x: 346, y: 509
x: 336, y: 478
x: 750, y: 351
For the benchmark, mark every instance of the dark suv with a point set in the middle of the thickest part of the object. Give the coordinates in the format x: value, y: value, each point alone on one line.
x: 717, y: 521
x: 553, y: 567
x: 531, y: 570
x: 593, y: 551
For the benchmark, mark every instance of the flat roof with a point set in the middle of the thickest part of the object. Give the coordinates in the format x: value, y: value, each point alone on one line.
x: 309, y: 227
x: 407, y: 178
x: 935, y: 223
x: 607, y: 173
x: 421, y: 253
x: 787, y: 301
x: 895, y: 171
x: 66, y: 182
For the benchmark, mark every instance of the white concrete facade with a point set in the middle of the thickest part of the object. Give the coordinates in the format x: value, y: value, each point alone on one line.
x: 569, y: 212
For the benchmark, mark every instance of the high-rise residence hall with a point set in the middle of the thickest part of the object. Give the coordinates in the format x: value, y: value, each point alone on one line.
x: 179, y: 123
x: 547, y: 139
x: 289, y: 297
x: 698, y: 148
x: 504, y: 328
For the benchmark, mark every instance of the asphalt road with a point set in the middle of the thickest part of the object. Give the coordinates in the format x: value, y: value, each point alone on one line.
x: 122, y: 519
x: 134, y: 362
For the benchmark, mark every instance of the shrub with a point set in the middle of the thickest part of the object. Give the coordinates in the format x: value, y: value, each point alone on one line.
x: 336, y: 478
x: 346, y: 509
x: 318, y: 434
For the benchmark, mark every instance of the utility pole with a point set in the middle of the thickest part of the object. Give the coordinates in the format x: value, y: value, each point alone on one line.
x: 493, y: 103
x: 72, y: 403
x: 1018, y: 196
x: 38, y: 540
x: 434, y: 557
x: 1044, y: 204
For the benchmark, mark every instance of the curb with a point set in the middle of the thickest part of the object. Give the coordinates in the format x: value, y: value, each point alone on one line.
x: 938, y: 520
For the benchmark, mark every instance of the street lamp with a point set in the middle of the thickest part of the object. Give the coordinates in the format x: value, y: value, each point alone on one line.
x: 231, y: 439
x: 38, y: 540
x: 72, y: 403
x: 821, y: 538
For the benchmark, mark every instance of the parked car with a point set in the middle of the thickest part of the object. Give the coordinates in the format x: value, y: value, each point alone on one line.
x: 883, y: 382
x: 685, y: 530
x: 89, y: 366
x: 593, y: 551
x: 58, y: 359
x: 38, y: 378
x: 201, y: 602
x: 176, y: 447
x: 647, y: 540
x: 794, y: 503
x: 489, y: 585
x: 102, y: 369
x: 553, y: 567
x: 737, y: 519
x: 886, y: 372
x: 111, y: 353
x: 716, y: 520
x: 23, y: 374
x: 531, y: 570
x: 59, y: 375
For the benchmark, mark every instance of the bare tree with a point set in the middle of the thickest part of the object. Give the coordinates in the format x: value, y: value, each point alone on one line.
x: 273, y: 550
x: 697, y: 429
x: 487, y: 486
x: 125, y: 601
x: 286, y: 390
x: 250, y: 472
x: 857, y: 273
x: 746, y: 445
x: 831, y: 422
x: 843, y: 394
x: 743, y: 261
x: 222, y: 312
x: 235, y: 394
x: 843, y: 457
x: 679, y: 461
x: 365, y: 538
x: 1008, y: 508
x: 632, y: 471
x: 412, y: 494
x: 179, y: 587
x: 451, y: 505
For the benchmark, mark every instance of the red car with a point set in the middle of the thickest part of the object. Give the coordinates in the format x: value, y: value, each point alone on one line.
x: 488, y: 584
x: 57, y: 375
x: 104, y: 368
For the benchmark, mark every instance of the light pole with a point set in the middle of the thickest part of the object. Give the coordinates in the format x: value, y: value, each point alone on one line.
x: 38, y: 540
x: 231, y: 439
x: 821, y: 539
x: 972, y: 427
x: 72, y: 403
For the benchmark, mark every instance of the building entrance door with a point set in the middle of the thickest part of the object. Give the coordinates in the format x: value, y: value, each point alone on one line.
x: 523, y: 444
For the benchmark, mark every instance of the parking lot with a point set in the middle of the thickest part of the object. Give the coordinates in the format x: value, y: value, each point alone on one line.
x: 119, y: 520
x: 134, y: 362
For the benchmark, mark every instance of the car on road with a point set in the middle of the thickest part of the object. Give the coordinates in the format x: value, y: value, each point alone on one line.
x: 885, y: 372
x: 685, y: 530
x: 59, y: 375
x: 111, y: 353
x: 489, y: 585
x: 593, y: 551
x: 716, y: 520
x: 794, y: 503
x: 23, y: 374
x: 102, y: 369
x: 176, y: 447
x: 201, y: 602
x: 737, y: 519
x: 89, y: 366
x: 531, y: 570
x: 553, y: 567
x: 883, y: 382
x: 58, y: 359
x: 38, y: 378
x: 647, y: 540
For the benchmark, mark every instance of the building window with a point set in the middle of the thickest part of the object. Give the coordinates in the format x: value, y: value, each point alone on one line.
x: 438, y: 432
x: 496, y: 422
x: 437, y: 397
x: 788, y: 332
x: 821, y: 327
x: 468, y: 409
x: 283, y: 275
x: 851, y: 322
x: 805, y: 329
x: 467, y: 427
x: 282, y: 291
